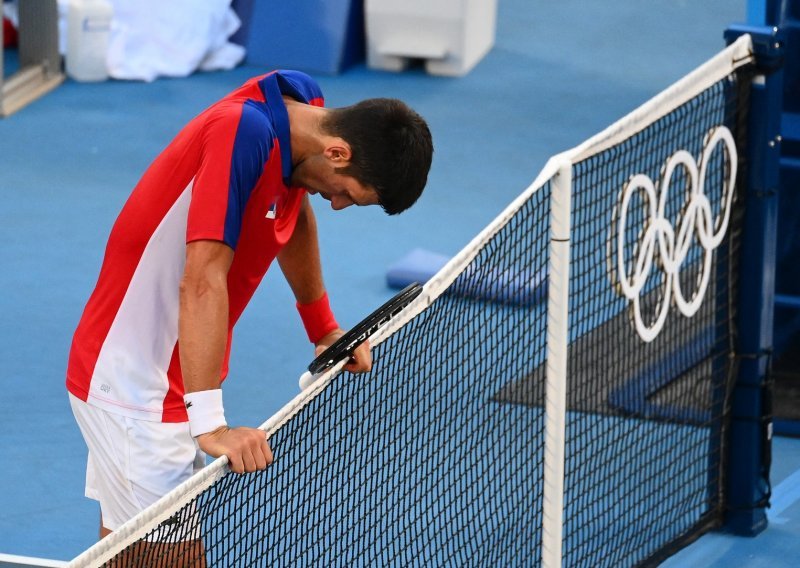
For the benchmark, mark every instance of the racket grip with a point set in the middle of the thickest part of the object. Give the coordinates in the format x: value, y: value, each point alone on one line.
x: 307, y: 379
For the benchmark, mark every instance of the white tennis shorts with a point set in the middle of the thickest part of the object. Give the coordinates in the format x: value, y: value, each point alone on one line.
x: 132, y: 463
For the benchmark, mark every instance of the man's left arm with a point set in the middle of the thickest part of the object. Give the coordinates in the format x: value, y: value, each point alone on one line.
x: 300, y: 262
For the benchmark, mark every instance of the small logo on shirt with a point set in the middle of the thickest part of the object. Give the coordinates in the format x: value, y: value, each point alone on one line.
x: 105, y: 388
x: 272, y: 209
x: 188, y: 405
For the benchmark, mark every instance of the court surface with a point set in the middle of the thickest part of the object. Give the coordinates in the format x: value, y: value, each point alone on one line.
x: 559, y: 73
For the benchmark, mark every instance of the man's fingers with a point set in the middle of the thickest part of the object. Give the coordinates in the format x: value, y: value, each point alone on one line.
x: 267, y: 451
x: 235, y: 462
x: 353, y: 367
x: 260, y: 459
x: 247, y: 449
x: 257, y: 454
x: 361, y: 360
x: 249, y: 460
x: 261, y: 450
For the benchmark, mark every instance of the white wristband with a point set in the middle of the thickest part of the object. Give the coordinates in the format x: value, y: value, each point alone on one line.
x: 205, y: 411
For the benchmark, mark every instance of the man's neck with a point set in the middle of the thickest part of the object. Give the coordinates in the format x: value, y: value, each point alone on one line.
x: 304, y: 129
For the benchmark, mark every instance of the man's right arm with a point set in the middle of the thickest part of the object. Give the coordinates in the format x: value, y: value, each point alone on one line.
x: 202, y: 339
x: 300, y: 263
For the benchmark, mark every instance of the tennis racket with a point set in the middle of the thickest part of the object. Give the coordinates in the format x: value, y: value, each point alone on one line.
x: 344, y: 347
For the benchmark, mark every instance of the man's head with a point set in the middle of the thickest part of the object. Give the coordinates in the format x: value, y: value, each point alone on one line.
x: 390, y: 149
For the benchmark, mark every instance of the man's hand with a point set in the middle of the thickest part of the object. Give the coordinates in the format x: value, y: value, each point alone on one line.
x: 360, y: 361
x: 247, y: 448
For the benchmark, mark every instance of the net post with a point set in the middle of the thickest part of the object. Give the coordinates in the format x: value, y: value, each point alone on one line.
x: 757, y: 12
x: 750, y: 432
x: 556, y: 379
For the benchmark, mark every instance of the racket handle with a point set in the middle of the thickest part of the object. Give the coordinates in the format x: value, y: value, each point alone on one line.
x: 307, y: 379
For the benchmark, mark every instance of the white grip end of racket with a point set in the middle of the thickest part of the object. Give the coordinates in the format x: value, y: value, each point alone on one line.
x: 307, y: 379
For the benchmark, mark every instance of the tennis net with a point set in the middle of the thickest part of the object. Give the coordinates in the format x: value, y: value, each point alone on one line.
x: 557, y: 394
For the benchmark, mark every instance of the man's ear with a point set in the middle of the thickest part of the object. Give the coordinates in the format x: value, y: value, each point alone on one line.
x: 338, y: 151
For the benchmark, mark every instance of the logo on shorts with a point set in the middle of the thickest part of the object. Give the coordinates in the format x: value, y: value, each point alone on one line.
x: 188, y: 405
x: 105, y: 388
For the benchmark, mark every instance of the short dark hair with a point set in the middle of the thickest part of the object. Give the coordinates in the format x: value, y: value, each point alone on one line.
x: 391, y: 149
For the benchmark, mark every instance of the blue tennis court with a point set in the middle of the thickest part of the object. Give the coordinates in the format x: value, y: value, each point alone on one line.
x: 558, y: 74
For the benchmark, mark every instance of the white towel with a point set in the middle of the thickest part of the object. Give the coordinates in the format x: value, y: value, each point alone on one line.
x: 153, y: 38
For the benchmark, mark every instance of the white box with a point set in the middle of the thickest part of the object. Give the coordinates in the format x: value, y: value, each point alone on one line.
x: 452, y: 36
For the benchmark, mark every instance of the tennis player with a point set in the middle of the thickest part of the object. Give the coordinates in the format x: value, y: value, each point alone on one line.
x: 216, y: 207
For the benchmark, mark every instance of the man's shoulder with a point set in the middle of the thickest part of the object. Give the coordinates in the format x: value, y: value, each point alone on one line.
x: 236, y: 113
x: 300, y: 85
x: 297, y: 77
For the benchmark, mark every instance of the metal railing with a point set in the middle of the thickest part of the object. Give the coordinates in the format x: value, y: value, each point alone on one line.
x: 39, y: 59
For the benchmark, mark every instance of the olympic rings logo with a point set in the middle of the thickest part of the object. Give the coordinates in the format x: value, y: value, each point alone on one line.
x: 695, y: 220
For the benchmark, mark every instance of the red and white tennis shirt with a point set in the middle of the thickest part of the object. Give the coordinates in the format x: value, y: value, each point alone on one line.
x: 224, y: 177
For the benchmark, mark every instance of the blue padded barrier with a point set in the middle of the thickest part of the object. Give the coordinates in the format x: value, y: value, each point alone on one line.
x: 420, y: 265
x: 316, y: 36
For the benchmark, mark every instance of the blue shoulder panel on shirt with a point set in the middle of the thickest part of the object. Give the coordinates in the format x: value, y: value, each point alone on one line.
x: 255, y: 138
x: 298, y: 85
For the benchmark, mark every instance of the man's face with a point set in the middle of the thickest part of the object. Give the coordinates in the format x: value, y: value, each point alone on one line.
x: 343, y: 191
x: 321, y: 175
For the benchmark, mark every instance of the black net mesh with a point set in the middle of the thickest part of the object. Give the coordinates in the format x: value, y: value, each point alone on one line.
x: 644, y: 459
x: 435, y: 458
x: 413, y: 464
